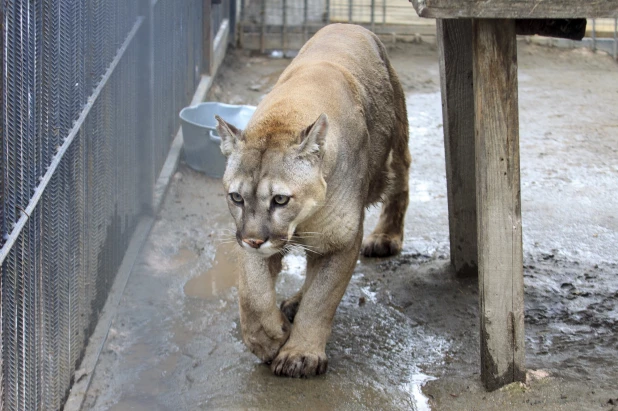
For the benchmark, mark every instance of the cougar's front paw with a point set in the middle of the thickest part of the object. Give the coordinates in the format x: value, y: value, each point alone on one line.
x: 297, y: 363
x: 264, y: 339
x: 381, y: 245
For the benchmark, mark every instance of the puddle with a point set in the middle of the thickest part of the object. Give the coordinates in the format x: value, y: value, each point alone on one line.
x: 184, y: 256
x: 155, y: 372
x: 164, y: 258
x: 413, y: 388
x: 135, y: 404
x: 220, y: 277
x: 371, y: 295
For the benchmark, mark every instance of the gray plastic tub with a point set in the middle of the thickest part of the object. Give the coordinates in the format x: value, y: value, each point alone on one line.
x: 201, y: 140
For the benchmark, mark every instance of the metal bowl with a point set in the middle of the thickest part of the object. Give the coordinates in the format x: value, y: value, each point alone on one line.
x: 199, y: 130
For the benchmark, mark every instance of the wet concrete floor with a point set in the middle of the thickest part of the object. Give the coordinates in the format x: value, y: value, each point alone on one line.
x: 406, y: 333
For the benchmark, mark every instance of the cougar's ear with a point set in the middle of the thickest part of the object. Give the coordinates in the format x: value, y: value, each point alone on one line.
x: 230, y: 136
x: 313, y: 137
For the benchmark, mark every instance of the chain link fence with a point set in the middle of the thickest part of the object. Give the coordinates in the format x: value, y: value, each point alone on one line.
x: 285, y: 25
x: 90, y: 95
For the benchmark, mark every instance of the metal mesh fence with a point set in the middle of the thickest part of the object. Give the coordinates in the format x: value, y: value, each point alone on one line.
x: 287, y: 24
x: 373, y: 12
x: 90, y: 94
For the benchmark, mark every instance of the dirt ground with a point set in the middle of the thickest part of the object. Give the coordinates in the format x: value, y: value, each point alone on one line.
x: 406, y: 333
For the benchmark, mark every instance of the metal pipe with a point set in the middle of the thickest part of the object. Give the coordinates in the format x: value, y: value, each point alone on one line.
x: 616, y: 39
x: 383, y: 13
x: 594, y: 35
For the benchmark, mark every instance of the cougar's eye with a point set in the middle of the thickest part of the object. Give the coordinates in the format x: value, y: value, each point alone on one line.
x: 237, y: 198
x: 281, y: 200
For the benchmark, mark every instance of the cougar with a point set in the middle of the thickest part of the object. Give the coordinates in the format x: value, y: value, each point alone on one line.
x: 330, y: 139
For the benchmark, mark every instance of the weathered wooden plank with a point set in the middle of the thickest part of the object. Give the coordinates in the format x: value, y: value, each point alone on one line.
x: 513, y: 9
x: 454, y: 38
x: 498, y: 202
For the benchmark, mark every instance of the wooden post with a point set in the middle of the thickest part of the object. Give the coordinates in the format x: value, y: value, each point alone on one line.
x: 501, y: 287
x: 207, y: 37
x: 455, y: 54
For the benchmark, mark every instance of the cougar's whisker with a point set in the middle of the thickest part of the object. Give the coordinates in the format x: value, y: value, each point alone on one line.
x: 306, y: 248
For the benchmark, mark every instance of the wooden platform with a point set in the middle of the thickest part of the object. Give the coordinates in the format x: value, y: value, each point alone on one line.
x: 478, y: 73
x: 516, y: 9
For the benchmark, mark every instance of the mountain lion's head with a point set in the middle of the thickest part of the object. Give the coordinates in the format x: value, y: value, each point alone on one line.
x: 272, y: 184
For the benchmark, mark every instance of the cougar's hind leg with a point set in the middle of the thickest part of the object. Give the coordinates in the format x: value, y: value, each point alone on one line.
x: 387, y: 238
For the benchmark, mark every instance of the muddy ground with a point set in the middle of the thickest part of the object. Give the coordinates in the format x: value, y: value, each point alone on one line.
x: 406, y: 333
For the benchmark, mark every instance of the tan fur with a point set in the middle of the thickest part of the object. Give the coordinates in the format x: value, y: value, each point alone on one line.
x: 331, y: 138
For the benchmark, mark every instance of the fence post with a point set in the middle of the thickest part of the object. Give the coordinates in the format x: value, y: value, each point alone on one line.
x: 284, y: 27
x: 233, y: 13
x: 3, y: 229
x: 263, y: 28
x: 146, y: 88
x: 373, y: 15
x: 616, y: 39
x: 207, y: 37
x: 305, y: 33
x: 240, y: 24
x: 327, y: 11
x: 594, y: 35
x: 349, y: 11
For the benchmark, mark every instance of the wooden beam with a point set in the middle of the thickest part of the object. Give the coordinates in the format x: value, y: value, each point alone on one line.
x: 501, y: 287
x: 455, y: 55
x: 515, y: 9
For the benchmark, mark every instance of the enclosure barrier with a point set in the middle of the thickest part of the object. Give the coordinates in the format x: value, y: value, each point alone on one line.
x: 90, y: 95
x: 603, y: 35
x: 286, y: 25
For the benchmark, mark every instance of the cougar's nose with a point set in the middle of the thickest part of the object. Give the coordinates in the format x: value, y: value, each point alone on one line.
x: 253, y: 242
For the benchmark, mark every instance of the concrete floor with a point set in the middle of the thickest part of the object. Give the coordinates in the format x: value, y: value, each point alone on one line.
x: 406, y: 333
